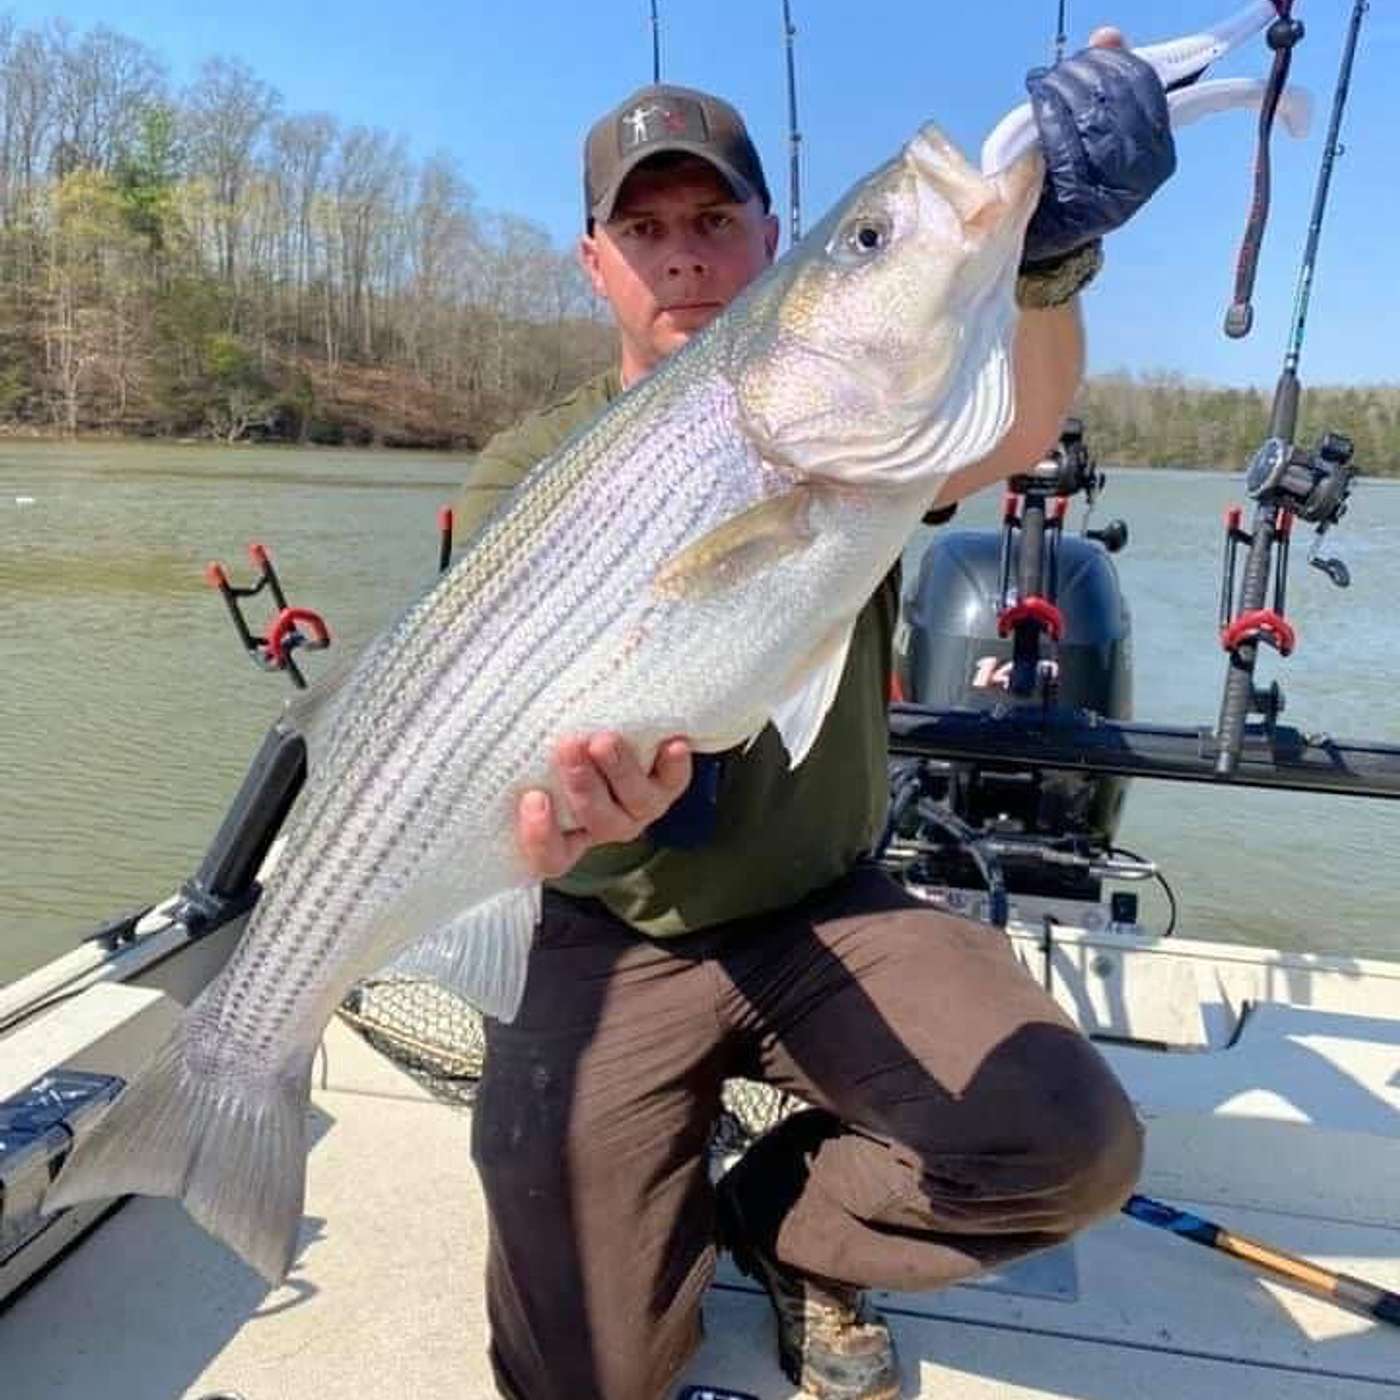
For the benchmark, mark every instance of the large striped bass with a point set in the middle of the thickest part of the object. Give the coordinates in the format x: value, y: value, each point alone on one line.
x: 690, y: 564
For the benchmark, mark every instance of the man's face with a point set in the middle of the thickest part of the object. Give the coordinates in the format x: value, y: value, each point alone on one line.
x: 676, y: 251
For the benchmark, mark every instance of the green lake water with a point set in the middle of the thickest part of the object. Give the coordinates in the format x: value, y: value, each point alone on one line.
x: 128, y: 712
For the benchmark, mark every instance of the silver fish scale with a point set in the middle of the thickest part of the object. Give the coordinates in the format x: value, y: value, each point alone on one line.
x: 488, y: 668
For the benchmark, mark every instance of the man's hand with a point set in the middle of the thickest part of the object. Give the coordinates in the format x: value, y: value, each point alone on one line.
x: 1049, y: 352
x: 1106, y: 136
x: 612, y: 798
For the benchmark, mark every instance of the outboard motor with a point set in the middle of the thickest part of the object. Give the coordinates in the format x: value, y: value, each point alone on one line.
x: 1027, y: 618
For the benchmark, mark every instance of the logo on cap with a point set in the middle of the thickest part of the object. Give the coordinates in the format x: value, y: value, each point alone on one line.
x: 674, y: 119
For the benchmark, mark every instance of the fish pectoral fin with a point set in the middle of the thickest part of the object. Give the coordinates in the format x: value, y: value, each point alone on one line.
x: 799, y: 716
x: 482, y: 953
x: 741, y: 547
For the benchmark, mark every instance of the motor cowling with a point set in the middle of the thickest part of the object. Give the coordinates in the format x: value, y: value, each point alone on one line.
x: 949, y: 655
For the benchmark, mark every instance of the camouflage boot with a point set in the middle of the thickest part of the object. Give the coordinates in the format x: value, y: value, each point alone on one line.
x: 831, y: 1344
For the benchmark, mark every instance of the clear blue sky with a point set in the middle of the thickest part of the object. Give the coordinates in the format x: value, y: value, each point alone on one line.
x: 509, y: 87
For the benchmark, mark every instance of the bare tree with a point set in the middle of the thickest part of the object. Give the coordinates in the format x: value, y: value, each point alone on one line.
x: 28, y: 113
x: 371, y: 172
x: 301, y: 149
x: 228, y: 110
x: 103, y: 84
x: 442, y: 242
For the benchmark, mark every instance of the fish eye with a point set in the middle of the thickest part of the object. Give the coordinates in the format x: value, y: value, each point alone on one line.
x: 862, y: 238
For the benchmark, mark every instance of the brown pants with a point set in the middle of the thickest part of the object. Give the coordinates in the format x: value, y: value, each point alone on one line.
x: 961, y: 1121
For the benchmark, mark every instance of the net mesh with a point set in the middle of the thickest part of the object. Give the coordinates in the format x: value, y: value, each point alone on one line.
x: 439, y: 1039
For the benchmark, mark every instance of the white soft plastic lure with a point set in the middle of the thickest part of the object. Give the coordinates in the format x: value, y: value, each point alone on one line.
x: 1175, y: 61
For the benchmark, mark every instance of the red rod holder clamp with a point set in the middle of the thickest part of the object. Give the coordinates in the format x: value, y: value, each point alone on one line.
x: 279, y: 639
x: 1261, y: 624
x: 1038, y: 610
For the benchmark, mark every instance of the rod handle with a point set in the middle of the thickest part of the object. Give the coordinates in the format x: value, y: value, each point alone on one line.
x: 1346, y: 1290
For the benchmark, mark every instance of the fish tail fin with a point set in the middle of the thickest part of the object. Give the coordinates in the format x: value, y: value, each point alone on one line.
x: 234, y: 1151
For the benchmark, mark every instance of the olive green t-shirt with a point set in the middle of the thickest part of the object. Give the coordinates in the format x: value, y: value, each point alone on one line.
x: 780, y: 833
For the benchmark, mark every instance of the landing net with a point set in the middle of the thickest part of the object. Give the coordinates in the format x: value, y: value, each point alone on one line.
x: 439, y: 1039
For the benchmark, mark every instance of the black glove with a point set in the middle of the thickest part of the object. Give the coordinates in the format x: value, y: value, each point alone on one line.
x: 1107, y: 141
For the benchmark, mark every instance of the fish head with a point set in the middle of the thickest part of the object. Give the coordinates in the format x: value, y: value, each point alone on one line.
x: 878, y: 351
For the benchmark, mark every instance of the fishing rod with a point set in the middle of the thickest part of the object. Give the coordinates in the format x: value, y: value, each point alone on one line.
x: 655, y: 44
x: 1060, y: 36
x: 1345, y: 1290
x: 1287, y: 482
x: 794, y: 135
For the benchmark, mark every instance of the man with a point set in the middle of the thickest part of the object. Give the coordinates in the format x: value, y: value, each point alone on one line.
x: 719, y: 918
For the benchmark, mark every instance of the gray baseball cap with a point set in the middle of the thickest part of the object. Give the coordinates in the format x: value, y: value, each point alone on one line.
x: 661, y: 118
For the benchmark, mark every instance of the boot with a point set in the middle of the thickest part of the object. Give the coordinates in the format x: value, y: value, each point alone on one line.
x: 831, y: 1344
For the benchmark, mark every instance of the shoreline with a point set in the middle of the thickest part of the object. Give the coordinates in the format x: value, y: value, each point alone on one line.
x: 10, y: 437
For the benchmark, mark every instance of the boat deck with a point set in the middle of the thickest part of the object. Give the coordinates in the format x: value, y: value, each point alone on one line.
x: 384, y: 1299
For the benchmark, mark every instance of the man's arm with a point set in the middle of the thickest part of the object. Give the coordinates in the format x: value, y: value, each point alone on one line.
x: 1049, y: 362
x: 1098, y: 172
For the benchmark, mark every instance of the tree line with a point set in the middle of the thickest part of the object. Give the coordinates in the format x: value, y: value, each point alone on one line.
x: 1163, y: 420
x: 200, y: 261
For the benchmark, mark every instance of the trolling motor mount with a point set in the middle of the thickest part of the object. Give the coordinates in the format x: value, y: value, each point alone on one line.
x: 1036, y: 503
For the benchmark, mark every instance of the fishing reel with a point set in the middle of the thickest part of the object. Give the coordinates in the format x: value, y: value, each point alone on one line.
x: 1067, y: 470
x: 1312, y: 484
x: 1070, y: 469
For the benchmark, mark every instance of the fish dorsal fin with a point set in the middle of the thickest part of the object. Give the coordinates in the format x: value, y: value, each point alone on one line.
x: 482, y: 953
x: 799, y: 716
x: 741, y: 547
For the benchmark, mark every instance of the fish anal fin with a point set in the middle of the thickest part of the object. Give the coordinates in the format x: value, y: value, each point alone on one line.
x: 481, y: 955
x: 740, y: 548
x: 799, y: 716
